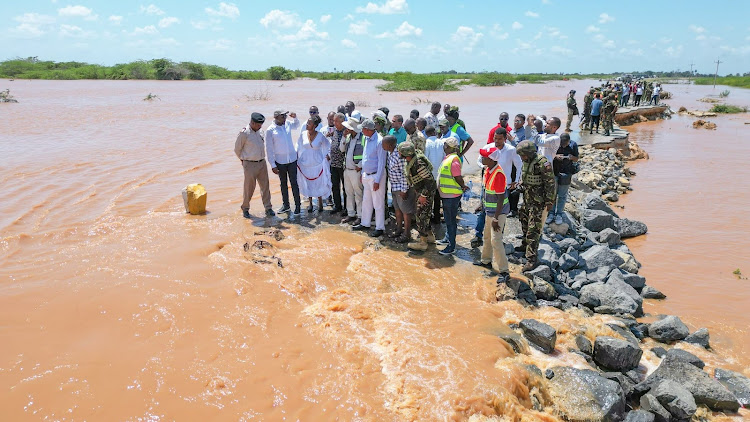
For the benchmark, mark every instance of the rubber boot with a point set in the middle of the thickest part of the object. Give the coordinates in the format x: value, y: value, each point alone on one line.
x: 420, y: 245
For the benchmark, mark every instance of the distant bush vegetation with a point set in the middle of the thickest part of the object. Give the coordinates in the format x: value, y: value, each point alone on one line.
x: 738, y: 81
x: 165, y: 69
x: 728, y: 109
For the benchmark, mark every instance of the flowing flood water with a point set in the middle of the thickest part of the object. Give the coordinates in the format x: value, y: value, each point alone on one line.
x: 116, y: 305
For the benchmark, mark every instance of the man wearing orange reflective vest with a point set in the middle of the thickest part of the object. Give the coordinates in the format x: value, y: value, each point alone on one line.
x: 496, y: 207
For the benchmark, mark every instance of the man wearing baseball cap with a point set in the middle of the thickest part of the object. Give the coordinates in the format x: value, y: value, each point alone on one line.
x: 249, y: 149
x: 496, y: 207
x: 283, y: 156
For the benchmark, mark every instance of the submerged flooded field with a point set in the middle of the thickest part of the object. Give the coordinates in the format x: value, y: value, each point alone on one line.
x: 117, y: 305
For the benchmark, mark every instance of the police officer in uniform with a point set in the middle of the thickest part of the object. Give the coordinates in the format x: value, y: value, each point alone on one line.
x: 610, y: 107
x: 250, y: 149
x: 538, y: 181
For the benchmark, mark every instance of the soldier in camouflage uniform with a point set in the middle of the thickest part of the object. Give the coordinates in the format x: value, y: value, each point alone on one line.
x: 419, y: 175
x: 647, y: 90
x: 587, y: 99
x: 538, y: 181
x: 572, y: 109
x: 610, y: 107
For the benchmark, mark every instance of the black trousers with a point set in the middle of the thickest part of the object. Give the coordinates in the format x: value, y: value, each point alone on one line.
x: 337, y: 182
x: 595, y: 121
x: 515, y: 195
x: 288, y: 173
x: 436, y: 209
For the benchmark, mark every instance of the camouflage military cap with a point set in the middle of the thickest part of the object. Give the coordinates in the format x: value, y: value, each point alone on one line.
x: 526, y: 148
x: 406, y: 149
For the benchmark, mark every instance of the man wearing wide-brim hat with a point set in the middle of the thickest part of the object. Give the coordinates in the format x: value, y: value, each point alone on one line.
x: 353, y: 146
x: 249, y: 148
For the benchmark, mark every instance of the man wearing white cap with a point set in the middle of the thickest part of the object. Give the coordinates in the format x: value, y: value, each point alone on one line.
x: 353, y: 146
x: 373, y: 180
x: 282, y: 156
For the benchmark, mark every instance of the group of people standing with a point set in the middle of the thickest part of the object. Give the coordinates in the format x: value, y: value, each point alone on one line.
x: 353, y: 163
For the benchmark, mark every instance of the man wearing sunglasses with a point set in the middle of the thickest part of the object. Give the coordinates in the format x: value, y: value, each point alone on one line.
x: 502, y: 124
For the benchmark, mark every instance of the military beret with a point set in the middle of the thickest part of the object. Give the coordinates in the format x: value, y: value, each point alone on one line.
x: 257, y: 118
x: 406, y: 149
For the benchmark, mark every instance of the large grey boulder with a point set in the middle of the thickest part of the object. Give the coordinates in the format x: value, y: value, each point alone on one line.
x: 676, y: 399
x: 700, y: 337
x: 608, y: 299
x: 736, y: 383
x: 540, y: 334
x: 634, y: 280
x: 600, y: 256
x: 651, y: 404
x: 597, y: 221
x: 639, y: 416
x: 543, y: 289
x: 542, y: 271
x: 609, y: 237
x: 668, y: 329
x: 514, y: 340
x: 650, y: 292
x: 584, y: 395
x: 629, y: 228
x: 685, y: 356
x: 594, y: 201
x: 568, y: 261
x: 705, y: 390
x: 584, y: 344
x: 615, y: 354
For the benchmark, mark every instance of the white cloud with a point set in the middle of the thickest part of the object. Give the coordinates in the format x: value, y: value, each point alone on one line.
x: 561, y: 50
x: 537, y: 36
x: 150, y: 44
x: 117, y: 20
x: 674, y: 51
x: 152, y: 10
x: 166, y: 22
x: 604, y: 18
x: 217, y: 45
x: 214, y: 24
x: 467, y: 38
x: 665, y: 40
x: 546, y: 2
x: 146, y: 30
x: 32, y: 25
x: 226, y: 10
x: 554, y: 33
x: 609, y: 44
x: 697, y: 29
x: 497, y: 32
x: 308, y: 31
x: 516, y: 26
x: 405, y: 46
x: 348, y: 43
x: 531, y: 14
x: 78, y: 12
x: 591, y: 28
x: 390, y: 7
x: 73, y: 31
x: 359, y: 28
x: 325, y: 18
x: 280, y: 19
x: 700, y: 37
x: 404, y: 30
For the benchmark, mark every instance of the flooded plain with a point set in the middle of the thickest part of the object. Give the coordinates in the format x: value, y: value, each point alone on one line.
x: 115, y: 304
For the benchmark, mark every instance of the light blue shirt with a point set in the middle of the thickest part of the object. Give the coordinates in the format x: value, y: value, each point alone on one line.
x: 520, y: 135
x: 596, y: 107
x: 462, y: 134
x: 374, y: 156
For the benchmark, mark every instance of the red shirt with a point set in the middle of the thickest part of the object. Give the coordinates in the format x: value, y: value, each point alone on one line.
x: 491, y: 137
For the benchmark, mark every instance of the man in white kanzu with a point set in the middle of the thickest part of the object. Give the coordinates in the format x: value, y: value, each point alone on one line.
x: 373, y: 180
x: 283, y: 156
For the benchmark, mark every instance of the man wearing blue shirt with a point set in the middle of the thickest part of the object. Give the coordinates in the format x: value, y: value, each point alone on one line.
x: 373, y: 180
x: 596, y: 112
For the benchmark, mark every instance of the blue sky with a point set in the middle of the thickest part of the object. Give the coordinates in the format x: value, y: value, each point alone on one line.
x: 387, y: 35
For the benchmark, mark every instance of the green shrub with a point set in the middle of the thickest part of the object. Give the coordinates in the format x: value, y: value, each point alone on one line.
x: 727, y: 109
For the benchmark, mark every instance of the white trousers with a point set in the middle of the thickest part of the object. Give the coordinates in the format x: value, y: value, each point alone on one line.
x: 353, y: 189
x: 372, y: 199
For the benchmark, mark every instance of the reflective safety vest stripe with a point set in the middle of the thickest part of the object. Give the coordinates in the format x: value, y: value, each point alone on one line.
x: 490, y: 196
x: 460, y: 142
x: 447, y: 183
x: 359, y: 149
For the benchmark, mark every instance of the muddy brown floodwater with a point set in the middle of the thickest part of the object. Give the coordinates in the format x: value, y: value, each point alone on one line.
x: 115, y: 305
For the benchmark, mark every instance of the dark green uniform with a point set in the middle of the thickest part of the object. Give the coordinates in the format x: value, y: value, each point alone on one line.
x: 587, y: 100
x: 538, y: 182
x: 572, y: 111
x: 419, y: 175
x: 610, y: 107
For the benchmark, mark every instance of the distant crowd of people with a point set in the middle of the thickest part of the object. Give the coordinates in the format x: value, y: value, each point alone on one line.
x: 350, y: 163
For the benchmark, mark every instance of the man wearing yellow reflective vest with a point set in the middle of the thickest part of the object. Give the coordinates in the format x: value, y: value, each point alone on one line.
x: 450, y: 187
x: 496, y: 207
x: 465, y: 140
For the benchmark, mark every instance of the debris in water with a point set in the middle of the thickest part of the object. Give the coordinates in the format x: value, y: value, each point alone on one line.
x: 262, y: 252
x: 738, y: 274
x: 271, y: 232
x: 704, y: 124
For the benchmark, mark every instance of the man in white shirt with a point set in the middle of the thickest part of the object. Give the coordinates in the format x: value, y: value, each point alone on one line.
x: 352, y: 146
x: 432, y: 116
x: 506, y: 158
x: 549, y: 141
x: 282, y: 156
x: 434, y: 152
